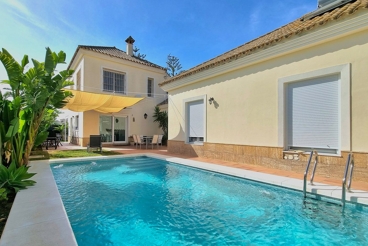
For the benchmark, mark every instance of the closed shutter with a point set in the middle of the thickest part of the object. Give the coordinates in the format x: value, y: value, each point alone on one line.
x: 196, y: 121
x: 313, y: 114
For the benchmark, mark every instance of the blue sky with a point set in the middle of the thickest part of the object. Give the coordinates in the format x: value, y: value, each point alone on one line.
x: 194, y: 31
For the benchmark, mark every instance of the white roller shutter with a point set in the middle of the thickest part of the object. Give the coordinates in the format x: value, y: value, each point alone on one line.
x: 196, y: 120
x: 313, y: 114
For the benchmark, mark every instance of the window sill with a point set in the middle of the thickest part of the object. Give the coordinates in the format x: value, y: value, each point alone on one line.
x: 117, y: 92
x: 194, y: 143
x: 295, y: 154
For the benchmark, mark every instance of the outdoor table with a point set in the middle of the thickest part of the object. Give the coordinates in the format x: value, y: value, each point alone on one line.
x: 51, y: 142
x: 146, y: 139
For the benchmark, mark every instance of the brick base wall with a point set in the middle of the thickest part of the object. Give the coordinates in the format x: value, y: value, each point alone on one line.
x: 272, y: 157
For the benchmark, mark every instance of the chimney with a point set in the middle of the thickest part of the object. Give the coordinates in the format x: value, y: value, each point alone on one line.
x: 129, y: 48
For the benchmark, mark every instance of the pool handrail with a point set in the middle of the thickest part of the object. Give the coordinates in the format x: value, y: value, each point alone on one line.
x: 313, y: 152
x: 349, y: 168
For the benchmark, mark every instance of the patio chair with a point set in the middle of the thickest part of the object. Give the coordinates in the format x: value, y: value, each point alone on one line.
x: 94, y: 142
x: 58, y: 139
x: 159, y: 140
x: 141, y: 137
x: 139, y: 141
x: 154, y: 141
x: 135, y: 138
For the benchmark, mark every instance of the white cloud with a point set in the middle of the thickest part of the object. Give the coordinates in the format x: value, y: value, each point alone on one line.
x: 16, y: 5
x: 254, y: 20
x: 18, y: 11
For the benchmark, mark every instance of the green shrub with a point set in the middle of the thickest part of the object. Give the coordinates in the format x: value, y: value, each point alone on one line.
x: 3, y: 193
x: 14, y: 179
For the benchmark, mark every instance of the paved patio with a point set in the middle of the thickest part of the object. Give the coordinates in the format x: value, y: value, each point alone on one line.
x: 162, y: 150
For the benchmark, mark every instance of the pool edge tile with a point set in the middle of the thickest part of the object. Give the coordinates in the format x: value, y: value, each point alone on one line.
x: 47, y: 231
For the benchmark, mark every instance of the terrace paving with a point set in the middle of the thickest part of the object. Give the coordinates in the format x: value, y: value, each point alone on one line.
x: 359, y: 185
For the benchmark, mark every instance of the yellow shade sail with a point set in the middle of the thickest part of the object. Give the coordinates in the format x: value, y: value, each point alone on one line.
x: 104, y: 103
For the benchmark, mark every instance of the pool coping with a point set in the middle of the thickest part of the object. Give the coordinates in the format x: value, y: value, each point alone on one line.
x: 38, y: 216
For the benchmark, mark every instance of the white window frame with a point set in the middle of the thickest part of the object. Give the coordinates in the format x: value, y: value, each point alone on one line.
x: 344, y: 72
x: 152, y: 94
x: 186, y: 112
x: 127, y: 126
x: 115, y: 72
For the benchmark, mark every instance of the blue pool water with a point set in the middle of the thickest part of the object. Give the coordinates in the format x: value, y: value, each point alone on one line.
x: 147, y: 201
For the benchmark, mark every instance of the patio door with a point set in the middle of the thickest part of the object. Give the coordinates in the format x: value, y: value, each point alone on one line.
x: 113, y: 129
x: 120, y: 130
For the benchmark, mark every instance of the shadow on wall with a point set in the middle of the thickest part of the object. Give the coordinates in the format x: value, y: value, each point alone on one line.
x: 215, y: 104
x: 177, y: 145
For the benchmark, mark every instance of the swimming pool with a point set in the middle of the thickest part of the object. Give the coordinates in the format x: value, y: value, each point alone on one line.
x: 147, y: 201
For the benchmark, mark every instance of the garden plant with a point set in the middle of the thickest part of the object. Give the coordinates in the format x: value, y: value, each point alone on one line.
x: 35, y: 93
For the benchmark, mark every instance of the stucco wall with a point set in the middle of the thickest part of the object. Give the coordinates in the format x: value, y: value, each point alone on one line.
x: 245, y: 110
x: 92, y: 66
x: 136, y: 74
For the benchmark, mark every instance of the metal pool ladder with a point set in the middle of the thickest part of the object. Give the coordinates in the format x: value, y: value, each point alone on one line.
x: 315, y: 154
x: 346, y: 184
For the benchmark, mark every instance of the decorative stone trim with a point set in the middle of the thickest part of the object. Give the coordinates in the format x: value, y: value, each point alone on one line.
x: 273, y: 157
x: 292, y: 155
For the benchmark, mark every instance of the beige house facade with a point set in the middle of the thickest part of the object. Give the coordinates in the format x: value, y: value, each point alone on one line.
x: 111, y: 71
x: 271, y: 101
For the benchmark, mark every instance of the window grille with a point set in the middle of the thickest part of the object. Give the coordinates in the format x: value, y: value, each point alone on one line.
x: 113, y: 82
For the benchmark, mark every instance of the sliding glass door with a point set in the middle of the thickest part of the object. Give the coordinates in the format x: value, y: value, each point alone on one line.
x: 120, y: 129
x: 113, y: 129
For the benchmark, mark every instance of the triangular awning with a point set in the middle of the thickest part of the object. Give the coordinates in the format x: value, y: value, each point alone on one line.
x: 104, y: 103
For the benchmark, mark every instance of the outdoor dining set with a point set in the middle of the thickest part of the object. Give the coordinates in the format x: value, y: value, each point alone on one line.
x: 95, y: 141
x: 147, y: 140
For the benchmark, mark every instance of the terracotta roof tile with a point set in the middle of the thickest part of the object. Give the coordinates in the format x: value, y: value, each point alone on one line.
x: 115, y: 52
x: 274, y: 37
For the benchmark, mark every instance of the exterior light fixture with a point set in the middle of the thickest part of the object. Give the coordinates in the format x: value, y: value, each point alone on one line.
x: 211, y: 100
x: 145, y: 115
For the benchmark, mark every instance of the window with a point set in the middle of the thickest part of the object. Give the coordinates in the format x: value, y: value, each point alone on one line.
x: 150, y: 86
x: 195, y: 112
x: 313, y: 114
x: 78, y: 83
x: 113, y: 82
x: 76, y: 122
x: 314, y: 110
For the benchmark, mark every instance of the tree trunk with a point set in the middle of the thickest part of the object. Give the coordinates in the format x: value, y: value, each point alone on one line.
x: 31, y: 138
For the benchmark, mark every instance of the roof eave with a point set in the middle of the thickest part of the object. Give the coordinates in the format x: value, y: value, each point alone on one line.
x: 270, y: 42
x: 340, y: 29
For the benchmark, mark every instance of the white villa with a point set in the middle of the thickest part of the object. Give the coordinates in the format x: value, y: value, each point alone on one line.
x: 301, y: 87
x: 115, y: 94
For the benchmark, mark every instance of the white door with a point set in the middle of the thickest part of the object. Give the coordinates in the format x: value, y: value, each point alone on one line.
x: 120, y: 130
